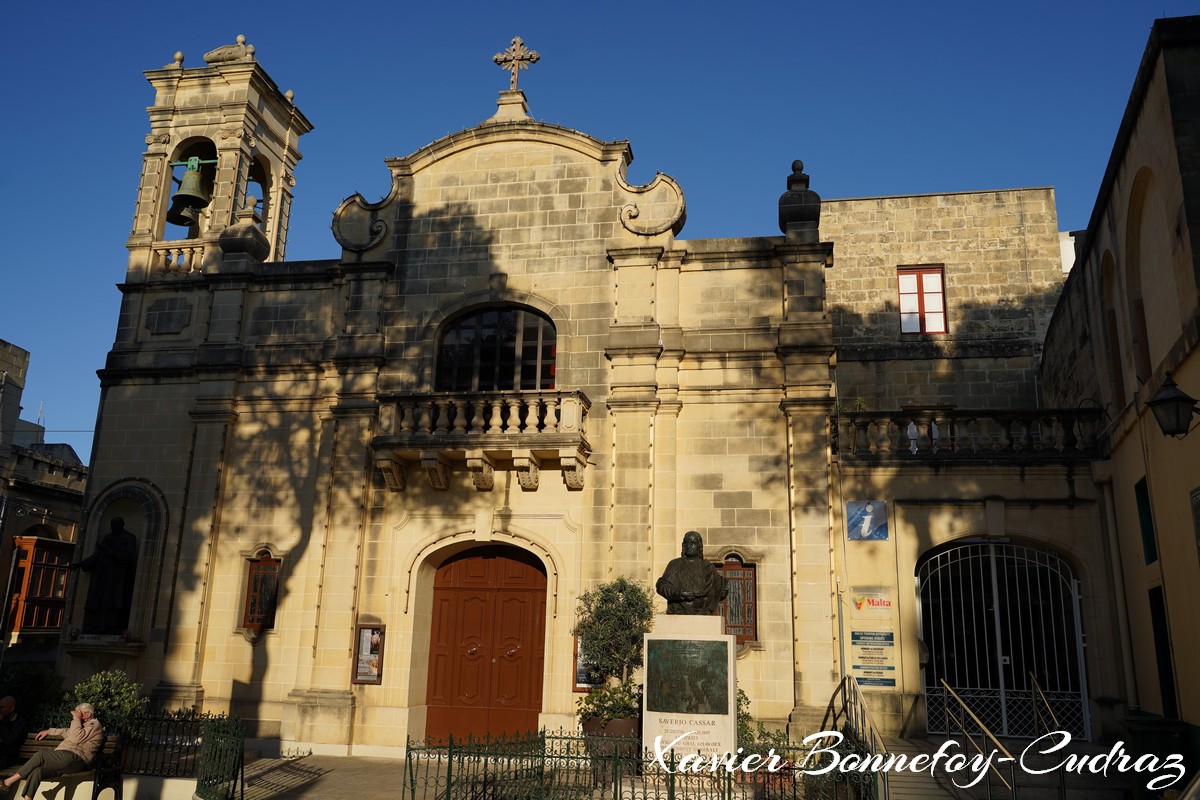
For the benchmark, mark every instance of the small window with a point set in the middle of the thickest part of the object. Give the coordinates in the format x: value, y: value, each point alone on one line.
x: 262, y: 591
x: 922, y: 300
x: 739, y: 609
x: 1141, y: 493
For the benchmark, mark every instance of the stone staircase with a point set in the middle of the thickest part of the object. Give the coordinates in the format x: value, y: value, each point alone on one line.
x: 924, y: 786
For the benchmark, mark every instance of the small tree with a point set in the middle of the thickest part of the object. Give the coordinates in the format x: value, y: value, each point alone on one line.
x: 610, y: 622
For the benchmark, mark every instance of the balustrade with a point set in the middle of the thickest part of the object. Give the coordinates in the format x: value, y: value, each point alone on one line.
x: 1063, y: 432
x: 182, y: 256
x: 525, y: 413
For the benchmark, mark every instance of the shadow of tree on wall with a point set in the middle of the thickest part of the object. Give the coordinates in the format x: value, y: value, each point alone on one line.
x: 293, y: 470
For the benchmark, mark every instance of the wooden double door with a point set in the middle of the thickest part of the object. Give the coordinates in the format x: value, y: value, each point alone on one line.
x: 487, y: 644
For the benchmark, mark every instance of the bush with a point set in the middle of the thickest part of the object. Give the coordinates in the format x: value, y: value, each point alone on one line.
x: 752, y: 735
x: 606, y: 703
x: 118, y: 701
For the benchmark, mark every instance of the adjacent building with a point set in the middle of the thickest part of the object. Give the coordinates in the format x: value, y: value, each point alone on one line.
x: 41, y: 503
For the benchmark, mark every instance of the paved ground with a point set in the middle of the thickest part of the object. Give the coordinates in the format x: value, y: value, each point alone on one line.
x: 324, y: 778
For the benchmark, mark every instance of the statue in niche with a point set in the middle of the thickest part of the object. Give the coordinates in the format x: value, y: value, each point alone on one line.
x: 113, y: 566
x: 690, y: 584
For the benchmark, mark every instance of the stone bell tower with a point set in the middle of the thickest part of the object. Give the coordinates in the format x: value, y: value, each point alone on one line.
x: 239, y: 133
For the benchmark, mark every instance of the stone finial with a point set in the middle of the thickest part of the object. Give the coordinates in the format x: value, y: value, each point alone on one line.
x: 178, y: 60
x: 799, y: 208
x: 224, y: 54
x: 245, y: 236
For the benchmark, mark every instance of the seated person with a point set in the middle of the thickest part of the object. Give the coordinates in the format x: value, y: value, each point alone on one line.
x: 81, y: 742
x: 14, y: 727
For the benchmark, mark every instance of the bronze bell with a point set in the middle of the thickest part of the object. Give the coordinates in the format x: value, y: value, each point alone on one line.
x: 190, y: 193
x: 179, y: 214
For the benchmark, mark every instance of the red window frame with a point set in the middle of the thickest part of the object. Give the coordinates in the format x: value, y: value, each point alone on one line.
x: 739, y: 609
x: 921, y: 295
x: 262, y: 592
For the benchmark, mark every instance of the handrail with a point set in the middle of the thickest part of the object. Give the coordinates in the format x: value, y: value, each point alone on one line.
x: 1038, y: 726
x: 857, y: 714
x: 961, y: 724
x: 1038, y: 694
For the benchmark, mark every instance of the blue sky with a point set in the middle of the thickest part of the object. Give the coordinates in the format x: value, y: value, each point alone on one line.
x: 876, y: 98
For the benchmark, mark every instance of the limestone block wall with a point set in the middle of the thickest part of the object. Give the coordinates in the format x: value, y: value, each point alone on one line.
x: 999, y: 254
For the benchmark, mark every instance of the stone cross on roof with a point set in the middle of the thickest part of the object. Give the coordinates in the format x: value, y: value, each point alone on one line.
x: 517, y: 57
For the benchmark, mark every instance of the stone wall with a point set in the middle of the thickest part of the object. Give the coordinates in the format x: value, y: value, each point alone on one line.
x: 1000, y: 256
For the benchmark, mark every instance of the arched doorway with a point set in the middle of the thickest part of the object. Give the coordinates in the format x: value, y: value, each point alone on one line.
x: 992, y: 613
x: 487, y: 644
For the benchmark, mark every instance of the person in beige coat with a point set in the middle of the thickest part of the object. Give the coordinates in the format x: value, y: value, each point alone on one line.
x: 81, y: 742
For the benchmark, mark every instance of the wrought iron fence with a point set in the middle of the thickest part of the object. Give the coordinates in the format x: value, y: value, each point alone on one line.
x: 186, y: 744
x: 221, y: 768
x: 568, y: 766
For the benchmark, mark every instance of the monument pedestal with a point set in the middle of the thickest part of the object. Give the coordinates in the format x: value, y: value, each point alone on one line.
x: 690, y: 698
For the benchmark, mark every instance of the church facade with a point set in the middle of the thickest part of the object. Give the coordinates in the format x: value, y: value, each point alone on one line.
x: 368, y: 490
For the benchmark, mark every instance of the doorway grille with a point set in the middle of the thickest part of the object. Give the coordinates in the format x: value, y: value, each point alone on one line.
x: 991, y: 614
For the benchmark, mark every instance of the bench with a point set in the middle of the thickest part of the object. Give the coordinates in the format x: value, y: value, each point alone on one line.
x: 105, y: 773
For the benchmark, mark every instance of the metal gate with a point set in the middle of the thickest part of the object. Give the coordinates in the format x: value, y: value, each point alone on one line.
x: 991, y: 614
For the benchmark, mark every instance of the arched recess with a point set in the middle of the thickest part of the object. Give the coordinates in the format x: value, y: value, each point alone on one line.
x: 487, y: 632
x: 144, y: 508
x: 1149, y: 276
x: 993, y: 613
x: 173, y: 222
x: 1112, y: 332
x: 258, y: 185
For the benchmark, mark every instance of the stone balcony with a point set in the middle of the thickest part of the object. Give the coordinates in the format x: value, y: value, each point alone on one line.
x: 940, y: 435
x: 523, y: 432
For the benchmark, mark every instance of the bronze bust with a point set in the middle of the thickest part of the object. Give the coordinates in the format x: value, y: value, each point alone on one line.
x: 690, y: 584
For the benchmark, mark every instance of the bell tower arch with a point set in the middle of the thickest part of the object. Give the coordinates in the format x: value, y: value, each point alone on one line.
x: 228, y: 124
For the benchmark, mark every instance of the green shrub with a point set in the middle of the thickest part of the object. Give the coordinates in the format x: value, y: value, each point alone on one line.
x: 118, y: 701
x: 609, y: 702
x: 752, y: 735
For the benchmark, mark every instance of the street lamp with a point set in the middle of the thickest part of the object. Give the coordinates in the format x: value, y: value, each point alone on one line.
x: 1173, y: 409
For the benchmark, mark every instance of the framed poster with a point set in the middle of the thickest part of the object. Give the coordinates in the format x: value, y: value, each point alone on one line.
x: 867, y: 520
x: 584, y: 674
x: 368, y: 654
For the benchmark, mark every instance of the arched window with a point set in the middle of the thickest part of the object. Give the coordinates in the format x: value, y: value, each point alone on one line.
x: 262, y: 592
x: 496, y: 349
x: 739, y: 609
